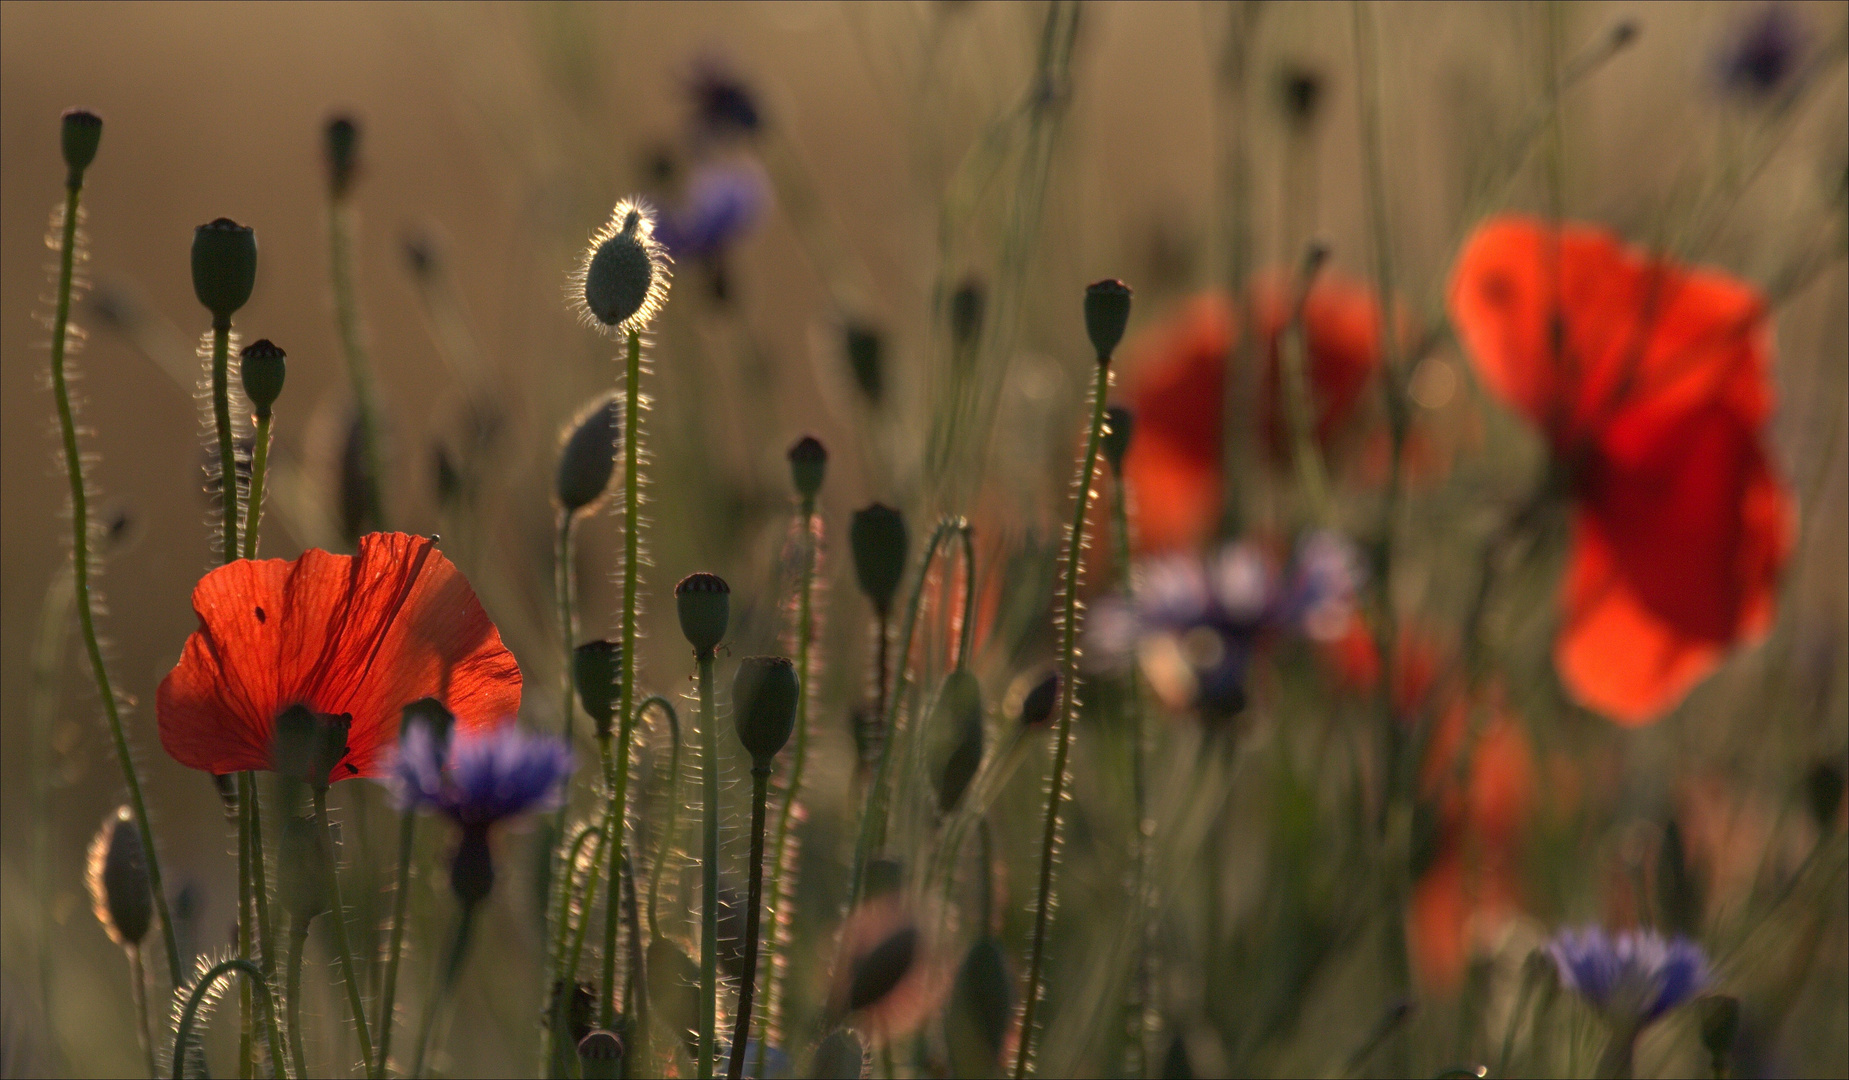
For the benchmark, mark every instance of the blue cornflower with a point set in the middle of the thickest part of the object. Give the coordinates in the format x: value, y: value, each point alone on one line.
x: 489, y: 776
x: 1192, y: 624
x: 723, y: 202
x: 1634, y: 976
x: 1763, y: 52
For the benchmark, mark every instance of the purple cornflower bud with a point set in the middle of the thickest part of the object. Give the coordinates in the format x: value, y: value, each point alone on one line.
x: 1763, y: 52
x: 724, y: 106
x: 1634, y: 976
x: 723, y: 202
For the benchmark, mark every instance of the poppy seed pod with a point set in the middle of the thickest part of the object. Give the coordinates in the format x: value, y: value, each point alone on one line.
x: 588, y: 457
x: 764, y: 694
x: 878, y: 540
x: 967, y: 306
x: 1107, y: 312
x: 118, y: 880
x: 624, y: 278
x: 1037, y: 706
x: 308, y: 745
x: 880, y: 970
x: 342, y: 144
x: 601, y: 1055
x: 808, y: 466
x: 80, y: 132
x: 1116, y: 443
x: 864, y: 359
x: 956, y: 720
x: 432, y: 715
x: 704, y: 601
x: 262, y: 366
x: 597, y: 667
x: 224, y: 266
x: 1300, y: 91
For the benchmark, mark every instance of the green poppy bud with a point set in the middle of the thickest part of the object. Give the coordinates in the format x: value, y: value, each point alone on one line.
x: 342, y: 146
x: 80, y: 132
x: 808, y: 466
x: 967, y: 306
x: 981, y: 1008
x: 705, y: 607
x: 262, y: 366
x: 1116, y: 443
x: 764, y: 695
x: 624, y: 277
x: 1107, y: 312
x: 224, y: 267
x: 432, y: 715
x: 1037, y: 706
x: 588, y: 456
x: 597, y: 668
x: 879, y: 971
x: 1300, y: 91
x: 864, y: 360
x: 956, y: 721
x: 118, y: 880
x: 601, y: 1054
x: 877, y: 537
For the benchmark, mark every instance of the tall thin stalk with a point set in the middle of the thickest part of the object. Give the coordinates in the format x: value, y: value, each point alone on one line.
x: 1068, y: 700
x: 352, y: 342
x: 386, y: 1019
x: 337, y: 916
x: 760, y: 794
x: 709, y: 870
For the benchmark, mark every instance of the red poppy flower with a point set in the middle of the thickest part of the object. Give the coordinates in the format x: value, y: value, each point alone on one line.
x: 362, y: 635
x: 1651, y: 383
x: 1177, y: 392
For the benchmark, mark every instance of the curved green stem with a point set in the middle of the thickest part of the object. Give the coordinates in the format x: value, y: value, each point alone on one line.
x: 298, y: 936
x: 873, y: 817
x: 446, y: 982
x: 760, y: 794
x: 80, y: 569
x: 1068, y: 700
x: 966, y: 638
x: 386, y: 1019
x: 359, y: 371
x: 780, y: 849
x: 709, y: 870
x: 338, y: 917
x: 189, y: 1014
x: 674, y: 807
x: 253, y: 504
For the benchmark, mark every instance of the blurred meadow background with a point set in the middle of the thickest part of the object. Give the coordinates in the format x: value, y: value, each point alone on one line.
x: 883, y: 165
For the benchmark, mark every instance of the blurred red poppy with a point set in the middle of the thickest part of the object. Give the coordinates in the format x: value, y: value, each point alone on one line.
x: 1177, y: 390
x: 362, y: 635
x: 1651, y: 383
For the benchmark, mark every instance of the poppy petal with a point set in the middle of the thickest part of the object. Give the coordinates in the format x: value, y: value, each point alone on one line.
x: 356, y: 634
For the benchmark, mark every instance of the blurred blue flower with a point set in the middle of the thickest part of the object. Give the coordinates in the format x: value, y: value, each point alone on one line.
x: 723, y: 202
x: 1192, y: 623
x: 489, y: 776
x: 1763, y: 51
x: 1635, y: 974
x: 724, y: 105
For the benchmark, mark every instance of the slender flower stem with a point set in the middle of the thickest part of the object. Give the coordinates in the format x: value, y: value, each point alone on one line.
x: 760, y: 794
x: 138, y: 988
x: 1068, y: 700
x: 298, y: 936
x: 227, y: 454
x: 674, y: 812
x: 80, y: 570
x: 259, y: 465
x: 446, y: 982
x: 565, y: 586
x: 1136, y: 1002
x: 1312, y: 477
x: 259, y: 890
x: 780, y: 849
x: 873, y: 817
x: 401, y: 894
x: 337, y: 915
x: 359, y: 370
x: 709, y: 870
x: 246, y: 1065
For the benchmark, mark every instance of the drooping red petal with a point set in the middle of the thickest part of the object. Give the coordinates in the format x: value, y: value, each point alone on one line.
x: 361, y: 634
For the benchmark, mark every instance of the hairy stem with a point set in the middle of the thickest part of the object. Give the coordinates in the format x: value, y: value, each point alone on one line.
x: 1068, y: 700
x: 227, y: 453
x: 359, y: 370
x: 259, y: 465
x: 401, y: 894
x: 80, y: 569
x: 189, y: 1013
x: 338, y: 917
x: 446, y: 983
x: 138, y: 989
x: 292, y: 993
x: 709, y: 870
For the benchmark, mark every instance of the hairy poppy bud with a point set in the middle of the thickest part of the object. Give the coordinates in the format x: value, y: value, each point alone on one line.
x: 705, y: 608
x: 80, y: 132
x: 956, y: 721
x: 307, y: 745
x: 878, y: 971
x: 597, y: 668
x: 224, y: 266
x: 1107, y: 312
x: 342, y: 145
x: 624, y: 279
x: 877, y: 537
x: 262, y: 366
x: 967, y: 306
x: 808, y: 465
x: 864, y: 349
x: 434, y: 716
x: 588, y: 457
x: 764, y: 694
x: 1300, y: 91
x: 1116, y: 442
x: 981, y: 1007
x: 118, y: 880
x: 1037, y: 706
x: 601, y: 1054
